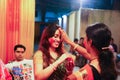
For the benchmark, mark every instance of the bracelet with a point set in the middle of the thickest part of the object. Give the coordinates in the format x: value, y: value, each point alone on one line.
x: 75, y: 46
x: 54, y: 68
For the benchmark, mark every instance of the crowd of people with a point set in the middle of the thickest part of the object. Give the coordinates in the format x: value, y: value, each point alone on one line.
x: 52, y: 62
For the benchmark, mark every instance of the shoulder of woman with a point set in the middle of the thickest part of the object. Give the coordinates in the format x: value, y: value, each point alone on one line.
x: 38, y: 53
x: 38, y: 58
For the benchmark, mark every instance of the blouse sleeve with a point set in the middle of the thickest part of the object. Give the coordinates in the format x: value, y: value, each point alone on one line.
x: 38, y: 58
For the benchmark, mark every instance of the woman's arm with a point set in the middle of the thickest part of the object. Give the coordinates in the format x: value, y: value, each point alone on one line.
x: 43, y: 74
x: 40, y: 73
x: 80, y: 50
x: 75, y: 46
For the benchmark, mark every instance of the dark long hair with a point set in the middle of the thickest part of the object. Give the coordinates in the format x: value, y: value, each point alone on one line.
x: 49, y: 32
x: 101, y: 36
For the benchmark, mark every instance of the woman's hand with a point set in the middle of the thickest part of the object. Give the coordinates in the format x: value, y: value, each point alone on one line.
x: 69, y: 64
x: 63, y: 57
x: 64, y: 36
x: 68, y: 61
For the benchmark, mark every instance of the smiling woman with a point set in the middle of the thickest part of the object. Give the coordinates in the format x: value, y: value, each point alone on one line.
x: 50, y: 59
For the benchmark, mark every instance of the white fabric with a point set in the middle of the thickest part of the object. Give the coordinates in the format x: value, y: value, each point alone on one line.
x: 22, y: 69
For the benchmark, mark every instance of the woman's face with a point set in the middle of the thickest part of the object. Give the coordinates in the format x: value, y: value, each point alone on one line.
x: 55, y: 40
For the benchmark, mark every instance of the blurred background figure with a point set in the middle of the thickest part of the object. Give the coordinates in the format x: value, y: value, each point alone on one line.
x: 81, y: 60
x: 81, y: 41
x: 4, y: 72
x: 72, y: 50
x: 113, y: 45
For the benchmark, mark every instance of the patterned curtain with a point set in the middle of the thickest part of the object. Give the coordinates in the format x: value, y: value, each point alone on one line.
x: 17, y: 27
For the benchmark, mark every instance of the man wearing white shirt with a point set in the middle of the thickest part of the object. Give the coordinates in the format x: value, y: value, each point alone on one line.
x: 22, y: 69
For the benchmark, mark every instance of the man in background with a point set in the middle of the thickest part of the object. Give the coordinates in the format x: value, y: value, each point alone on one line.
x: 20, y: 68
x: 113, y: 45
x: 72, y: 50
x: 81, y: 60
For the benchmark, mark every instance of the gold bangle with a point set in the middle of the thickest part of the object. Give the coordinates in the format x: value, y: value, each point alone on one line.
x: 54, y: 68
x: 75, y: 46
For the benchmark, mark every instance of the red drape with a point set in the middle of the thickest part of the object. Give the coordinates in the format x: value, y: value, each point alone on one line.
x: 17, y: 27
x: 12, y: 27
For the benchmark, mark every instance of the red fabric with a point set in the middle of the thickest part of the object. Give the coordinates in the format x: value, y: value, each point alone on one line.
x: 4, y: 73
x: 89, y: 71
x: 12, y: 27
